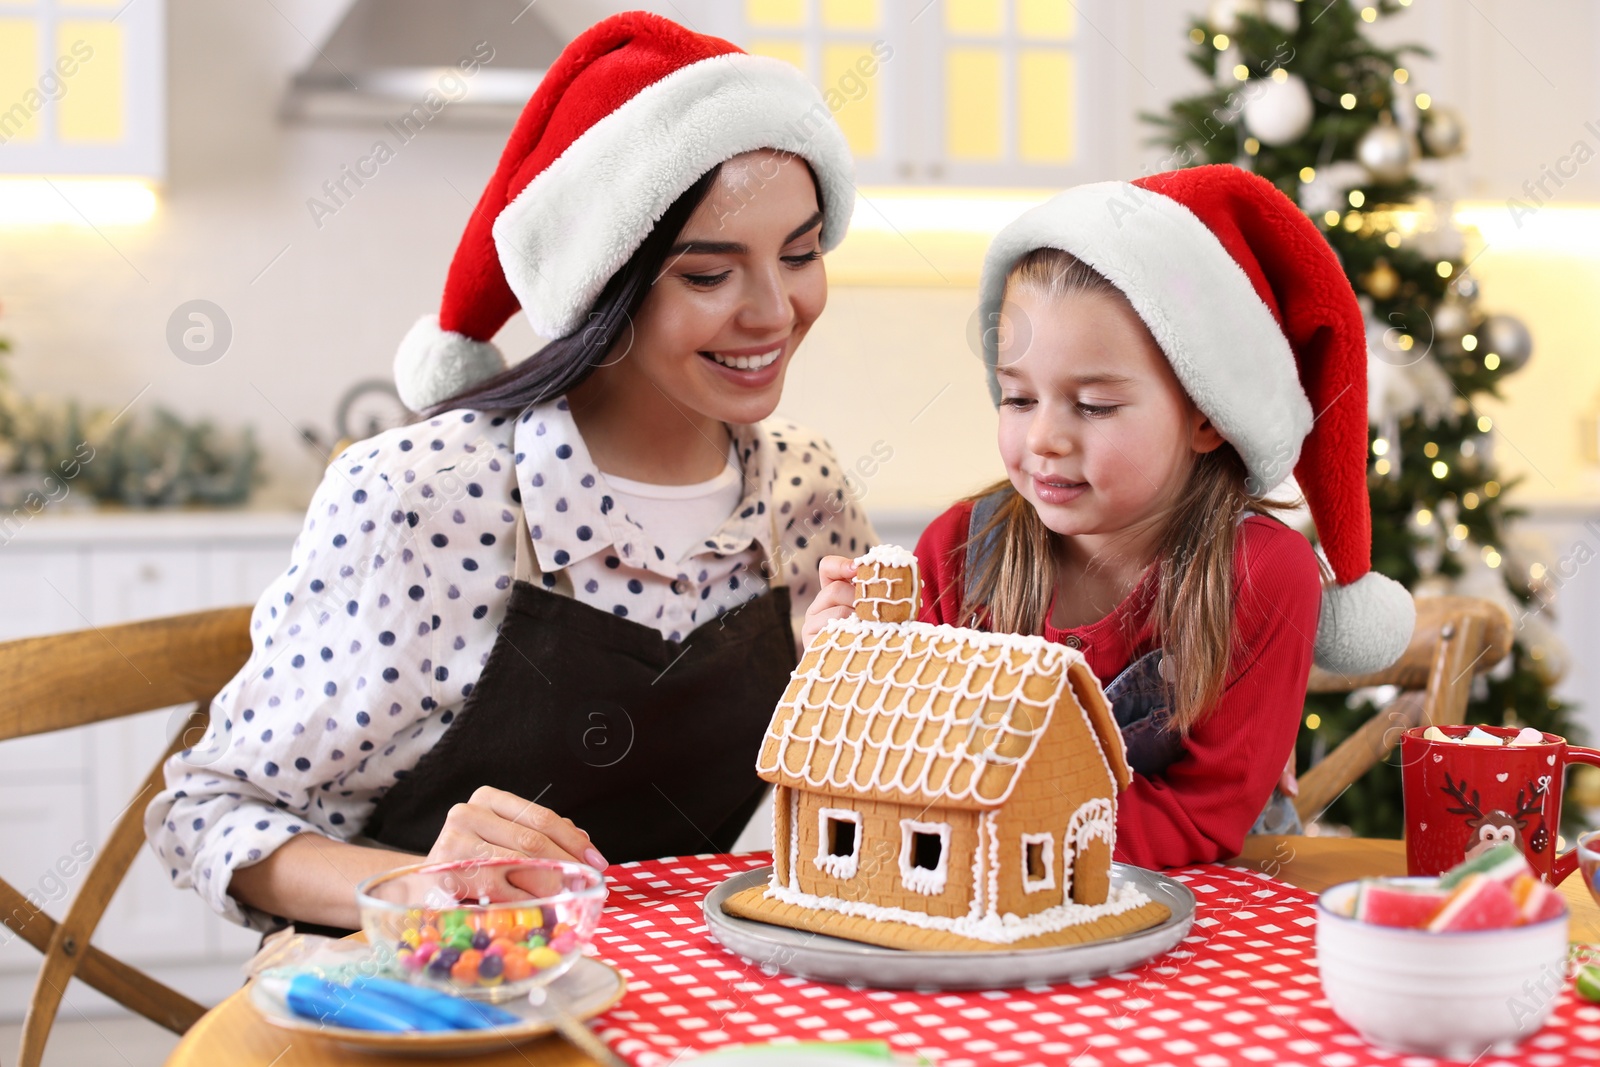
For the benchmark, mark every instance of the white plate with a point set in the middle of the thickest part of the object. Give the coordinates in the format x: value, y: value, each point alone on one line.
x: 588, y: 989
x: 833, y: 959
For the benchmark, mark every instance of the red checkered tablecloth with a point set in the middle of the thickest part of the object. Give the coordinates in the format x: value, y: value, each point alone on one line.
x: 1242, y: 988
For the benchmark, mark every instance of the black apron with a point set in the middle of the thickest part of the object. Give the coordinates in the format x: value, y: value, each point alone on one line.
x: 648, y: 744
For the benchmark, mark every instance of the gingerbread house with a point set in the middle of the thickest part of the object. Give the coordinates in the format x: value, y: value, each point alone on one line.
x: 942, y: 787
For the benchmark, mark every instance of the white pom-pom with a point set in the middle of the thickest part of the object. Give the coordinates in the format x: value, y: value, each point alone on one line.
x: 434, y: 364
x: 1364, y: 626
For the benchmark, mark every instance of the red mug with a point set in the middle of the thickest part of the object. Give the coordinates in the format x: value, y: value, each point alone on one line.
x: 1462, y: 799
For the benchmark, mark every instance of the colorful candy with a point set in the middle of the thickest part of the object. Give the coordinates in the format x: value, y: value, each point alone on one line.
x: 1491, y: 891
x: 482, y: 949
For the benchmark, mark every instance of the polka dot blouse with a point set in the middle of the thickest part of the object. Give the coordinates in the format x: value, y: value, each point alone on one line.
x: 368, y: 646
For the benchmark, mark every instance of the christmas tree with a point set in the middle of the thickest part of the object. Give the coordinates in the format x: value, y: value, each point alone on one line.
x: 1302, y: 97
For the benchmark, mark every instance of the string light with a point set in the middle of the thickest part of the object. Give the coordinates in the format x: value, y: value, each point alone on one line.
x: 1197, y: 35
x: 1357, y: 198
x: 1424, y: 101
x: 1491, y: 489
x: 1445, y: 268
x: 1348, y: 101
x: 1307, y: 174
x: 1424, y: 517
x: 1468, y: 448
x: 1392, y: 239
x: 1330, y: 218
x: 1490, y: 361
x: 1313, y: 721
x: 1380, y: 446
x: 1469, y: 501
x: 1430, y: 450
x: 1382, y: 466
x: 1460, y: 532
x: 1220, y: 42
x: 1251, y: 145
x: 1440, y: 468
x: 1401, y: 75
x: 1536, y: 571
x: 1469, y: 342
x: 1241, y: 73
x: 1369, y: 14
x: 1490, y: 556
x: 1485, y: 424
x: 1280, y: 75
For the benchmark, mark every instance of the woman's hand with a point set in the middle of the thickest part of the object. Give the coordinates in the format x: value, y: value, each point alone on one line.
x: 495, y: 824
x: 836, y: 596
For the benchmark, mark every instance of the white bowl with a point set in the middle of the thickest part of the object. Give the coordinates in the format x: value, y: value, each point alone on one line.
x: 1454, y: 995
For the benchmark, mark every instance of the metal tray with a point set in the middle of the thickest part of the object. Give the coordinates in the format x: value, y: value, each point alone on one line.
x: 832, y: 959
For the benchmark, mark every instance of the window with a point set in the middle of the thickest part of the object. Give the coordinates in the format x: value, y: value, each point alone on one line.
x: 838, y: 841
x: 924, y: 856
x: 958, y: 92
x: 1038, y: 862
x: 82, y: 88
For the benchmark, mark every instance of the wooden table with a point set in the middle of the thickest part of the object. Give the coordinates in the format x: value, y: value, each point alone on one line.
x: 233, y: 1035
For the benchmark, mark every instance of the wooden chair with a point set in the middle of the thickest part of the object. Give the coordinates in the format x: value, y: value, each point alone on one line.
x: 1456, y: 639
x: 55, y: 683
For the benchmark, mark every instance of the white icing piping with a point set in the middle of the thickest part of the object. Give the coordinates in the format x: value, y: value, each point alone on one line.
x: 794, y: 841
x: 992, y: 928
x: 889, y: 556
x: 985, y: 825
x: 838, y: 866
x: 929, y: 883
x: 1048, y: 856
x: 993, y: 902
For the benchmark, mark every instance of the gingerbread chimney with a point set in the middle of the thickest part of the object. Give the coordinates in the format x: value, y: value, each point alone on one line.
x: 887, y: 589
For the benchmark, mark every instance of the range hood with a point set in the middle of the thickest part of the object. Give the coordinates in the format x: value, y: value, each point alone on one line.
x: 386, y: 56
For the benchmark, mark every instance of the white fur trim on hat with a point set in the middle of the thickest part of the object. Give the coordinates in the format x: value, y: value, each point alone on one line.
x: 1364, y: 626
x: 580, y: 219
x: 434, y: 364
x: 1222, y: 341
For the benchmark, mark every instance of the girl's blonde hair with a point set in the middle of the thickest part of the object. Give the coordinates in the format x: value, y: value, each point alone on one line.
x: 1193, y: 594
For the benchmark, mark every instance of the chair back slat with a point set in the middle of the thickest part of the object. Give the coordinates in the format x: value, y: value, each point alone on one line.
x: 1412, y: 669
x: 65, y: 680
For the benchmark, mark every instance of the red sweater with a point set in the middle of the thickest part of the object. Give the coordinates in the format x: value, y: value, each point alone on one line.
x: 1201, y: 807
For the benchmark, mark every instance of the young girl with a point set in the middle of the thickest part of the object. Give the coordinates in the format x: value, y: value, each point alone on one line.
x: 1166, y: 352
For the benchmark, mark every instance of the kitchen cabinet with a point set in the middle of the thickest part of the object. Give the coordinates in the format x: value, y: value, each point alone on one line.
x: 60, y: 793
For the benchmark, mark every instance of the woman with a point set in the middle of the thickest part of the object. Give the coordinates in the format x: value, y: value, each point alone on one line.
x: 551, y: 619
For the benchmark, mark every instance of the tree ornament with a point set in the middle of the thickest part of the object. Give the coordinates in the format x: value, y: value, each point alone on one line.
x: 1223, y: 15
x: 1283, y: 14
x: 1443, y: 132
x: 1452, y: 318
x: 1508, y: 338
x: 1278, y: 112
x: 1465, y: 287
x: 1382, y: 281
x: 1385, y: 151
x: 1328, y: 190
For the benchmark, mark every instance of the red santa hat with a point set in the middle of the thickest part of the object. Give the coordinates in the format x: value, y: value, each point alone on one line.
x: 1254, y: 312
x: 632, y: 113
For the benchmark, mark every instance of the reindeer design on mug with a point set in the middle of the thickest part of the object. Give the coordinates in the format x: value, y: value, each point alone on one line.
x: 1485, y: 831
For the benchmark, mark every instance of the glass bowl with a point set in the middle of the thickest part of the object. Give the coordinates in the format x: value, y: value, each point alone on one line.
x: 485, y: 929
x: 1589, y: 862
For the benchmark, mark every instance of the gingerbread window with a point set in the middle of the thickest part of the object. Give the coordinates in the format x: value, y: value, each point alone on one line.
x: 838, y: 841
x: 924, y: 856
x: 1038, y: 862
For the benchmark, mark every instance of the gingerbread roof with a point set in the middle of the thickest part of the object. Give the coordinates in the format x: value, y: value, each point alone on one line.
x: 928, y: 714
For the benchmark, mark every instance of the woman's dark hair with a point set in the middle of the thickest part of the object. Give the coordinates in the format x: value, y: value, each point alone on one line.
x: 563, y: 364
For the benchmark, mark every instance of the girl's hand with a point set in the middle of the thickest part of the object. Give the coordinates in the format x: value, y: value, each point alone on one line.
x: 836, y: 596
x: 495, y: 824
